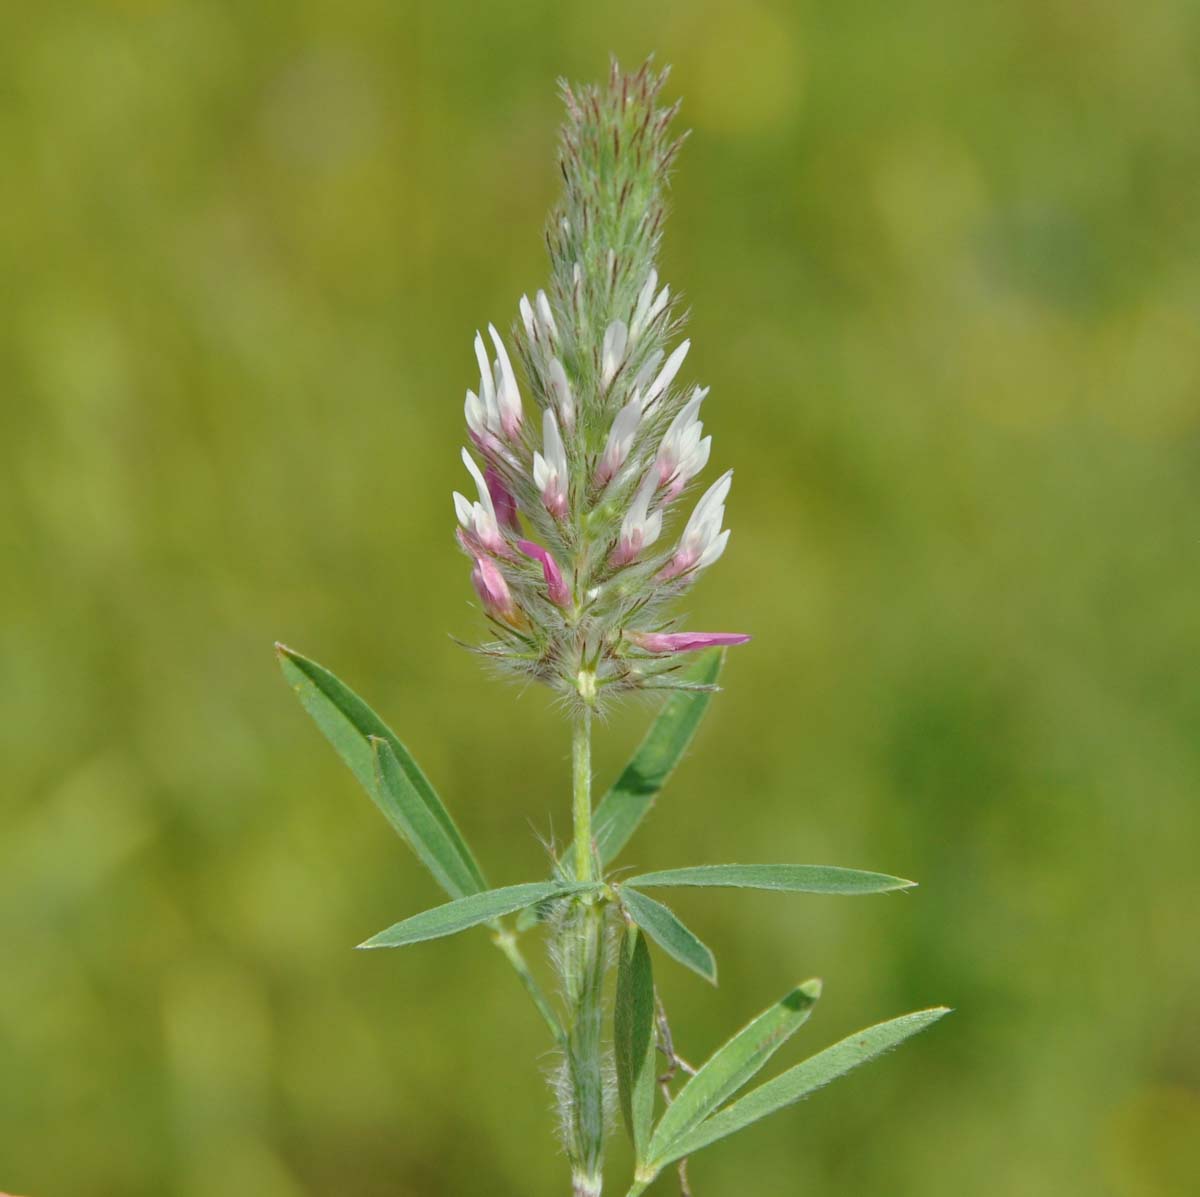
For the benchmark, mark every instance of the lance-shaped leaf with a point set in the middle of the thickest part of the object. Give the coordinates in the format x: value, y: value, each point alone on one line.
x: 800, y: 1081
x: 633, y: 1037
x: 803, y: 879
x: 631, y: 797
x: 664, y: 927
x: 470, y: 911
x: 732, y: 1066
x: 407, y: 800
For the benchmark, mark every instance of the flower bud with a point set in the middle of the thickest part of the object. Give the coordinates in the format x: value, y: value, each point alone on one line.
x: 683, y: 642
x: 493, y: 591
x: 556, y: 587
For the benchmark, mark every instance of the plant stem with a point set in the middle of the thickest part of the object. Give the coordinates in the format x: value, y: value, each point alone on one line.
x: 506, y: 941
x: 581, y: 759
x: 582, y: 952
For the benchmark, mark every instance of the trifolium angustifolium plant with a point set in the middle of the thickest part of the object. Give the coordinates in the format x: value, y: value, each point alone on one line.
x: 584, y: 516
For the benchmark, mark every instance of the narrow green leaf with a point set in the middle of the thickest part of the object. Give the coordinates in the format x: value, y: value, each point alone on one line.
x: 470, y: 911
x: 634, y: 1039
x: 664, y: 927
x: 800, y: 1081
x: 631, y: 797
x: 350, y: 725
x: 805, y: 879
x: 732, y: 1066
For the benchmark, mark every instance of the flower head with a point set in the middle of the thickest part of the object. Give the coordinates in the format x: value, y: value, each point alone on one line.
x: 620, y: 439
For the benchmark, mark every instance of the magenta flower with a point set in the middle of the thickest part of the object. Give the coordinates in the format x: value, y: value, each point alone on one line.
x: 502, y: 500
x: 683, y: 642
x: 493, y: 591
x: 556, y: 588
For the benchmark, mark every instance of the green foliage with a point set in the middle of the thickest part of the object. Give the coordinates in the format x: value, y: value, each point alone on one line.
x: 632, y: 796
x: 801, y: 879
x: 470, y: 911
x: 391, y: 777
x: 664, y: 927
x: 634, y: 1037
x: 731, y: 1067
x: 799, y: 1082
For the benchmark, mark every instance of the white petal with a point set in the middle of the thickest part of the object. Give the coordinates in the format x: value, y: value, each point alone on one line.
x: 641, y: 311
x: 462, y: 508
x: 546, y: 315
x: 486, y: 390
x: 652, y: 528
x: 556, y: 453
x: 616, y: 338
x: 485, y: 497
x: 526, y: 316
x: 667, y: 374
x: 562, y: 392
x: 475, y: 413
x: 713, y: 551
x: 508, y: 397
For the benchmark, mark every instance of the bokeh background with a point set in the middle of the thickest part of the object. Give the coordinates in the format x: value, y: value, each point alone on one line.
x: 943, y: 263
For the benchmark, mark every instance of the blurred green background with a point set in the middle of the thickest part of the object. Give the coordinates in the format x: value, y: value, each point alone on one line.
x: 943, y: 263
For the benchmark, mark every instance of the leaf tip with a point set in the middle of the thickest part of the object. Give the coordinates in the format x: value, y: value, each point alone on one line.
x: 812, y: 988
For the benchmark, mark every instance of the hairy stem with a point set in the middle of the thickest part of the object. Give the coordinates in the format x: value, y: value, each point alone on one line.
x: 582, y: 952
x: 581, y: 759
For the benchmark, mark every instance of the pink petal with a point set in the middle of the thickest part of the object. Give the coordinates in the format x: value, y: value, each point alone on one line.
x: 683, y: 642
x: 556, y: 588
x: 502, y: 500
